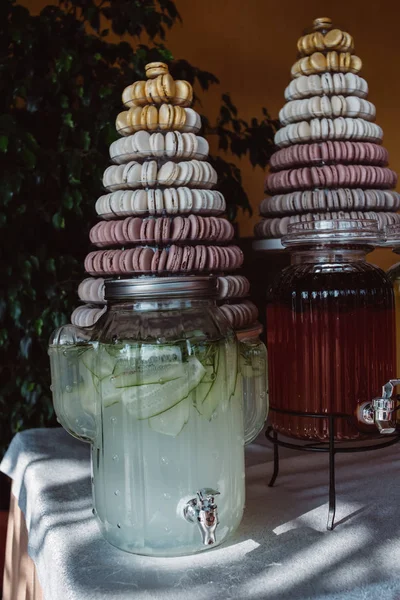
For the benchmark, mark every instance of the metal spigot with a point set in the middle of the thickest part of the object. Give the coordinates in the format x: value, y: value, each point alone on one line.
x: 203, y: 511
x: 382, y: 410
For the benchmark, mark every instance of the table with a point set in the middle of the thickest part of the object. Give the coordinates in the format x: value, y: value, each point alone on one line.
x: 281, y: 551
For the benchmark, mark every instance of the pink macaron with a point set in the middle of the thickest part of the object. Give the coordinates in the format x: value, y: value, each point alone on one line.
x: 329, y: 151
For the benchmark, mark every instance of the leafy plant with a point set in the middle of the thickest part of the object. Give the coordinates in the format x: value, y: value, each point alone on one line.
x: 60, y: 90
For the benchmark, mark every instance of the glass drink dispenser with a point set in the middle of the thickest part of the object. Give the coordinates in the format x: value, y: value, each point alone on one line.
x: 156, y: 388
x: 330, y: 331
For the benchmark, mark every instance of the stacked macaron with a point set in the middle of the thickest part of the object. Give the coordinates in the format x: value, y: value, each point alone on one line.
x: 160, y: 214
x: 329, y: 162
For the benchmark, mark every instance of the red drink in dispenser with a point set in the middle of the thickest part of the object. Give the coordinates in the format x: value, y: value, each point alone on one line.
x: 331, y: 330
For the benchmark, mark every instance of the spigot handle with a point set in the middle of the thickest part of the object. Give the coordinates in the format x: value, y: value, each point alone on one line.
x: 207, y: 496
x: 204, y: 512
x: 381, y: 410
x: 387, y: 389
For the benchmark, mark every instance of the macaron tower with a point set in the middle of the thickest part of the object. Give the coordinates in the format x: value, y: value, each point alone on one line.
x: 329, y: 162
x: 160, y: 214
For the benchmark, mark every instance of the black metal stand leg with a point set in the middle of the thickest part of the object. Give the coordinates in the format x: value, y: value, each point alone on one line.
x: 325, y: 446
x: 332, y: 486
x: 276, y: 459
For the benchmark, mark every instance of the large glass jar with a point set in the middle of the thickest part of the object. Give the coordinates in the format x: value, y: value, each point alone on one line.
x: 331, y: 331
x: 157, y: 391
x: 393, y: 240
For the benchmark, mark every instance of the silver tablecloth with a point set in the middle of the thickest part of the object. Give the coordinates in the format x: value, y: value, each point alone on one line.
x: 281, y: 551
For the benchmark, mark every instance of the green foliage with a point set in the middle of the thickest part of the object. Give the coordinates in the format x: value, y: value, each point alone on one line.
x: 60, y: 90
x: 254, y: 140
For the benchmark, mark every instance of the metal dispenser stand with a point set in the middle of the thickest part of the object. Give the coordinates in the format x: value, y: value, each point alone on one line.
x: 331, y: 446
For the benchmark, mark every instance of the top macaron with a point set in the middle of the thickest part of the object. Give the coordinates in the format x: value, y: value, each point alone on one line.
x: 325, y: 49
x: 160, y: 88
x: 317, y: 41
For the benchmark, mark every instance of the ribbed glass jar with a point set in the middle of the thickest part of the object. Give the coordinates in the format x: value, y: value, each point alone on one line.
x: 331, y: 330
x: 393, y: 240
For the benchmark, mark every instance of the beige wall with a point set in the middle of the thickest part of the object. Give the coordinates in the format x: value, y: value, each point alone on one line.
x: 251, y: 45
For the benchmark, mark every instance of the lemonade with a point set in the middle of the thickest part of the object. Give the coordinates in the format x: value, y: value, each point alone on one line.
x: 166, y: 420
x: 157, y: 386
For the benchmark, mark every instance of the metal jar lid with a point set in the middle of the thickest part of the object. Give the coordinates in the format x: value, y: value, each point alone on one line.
x: 148, y: 288
x: 333, y: 231
x: 391, y: 236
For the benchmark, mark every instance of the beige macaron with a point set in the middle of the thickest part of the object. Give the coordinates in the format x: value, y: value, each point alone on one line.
x: 347, y: 44
x: 151, y: 117
x: 333, y: 39
x: 135, y: 117
x: 332, y: 61
x: 166, y: 87
x: 300, y: 45
x: 152, y: 94
x: 155, y: 69
x: 179, y: 118
x: 166, y: 116
x: 342, y: 62
x: 306, y: 66
x: 318, y: 63
x: 355, y: 64
x: 139, y: 92
x: 128, y: 96
x: 318, y: 41
x: 307, y: 44
x: 322, y: 23
x: 296, y: 71
x: 122, y: 123
x: 183, y: 93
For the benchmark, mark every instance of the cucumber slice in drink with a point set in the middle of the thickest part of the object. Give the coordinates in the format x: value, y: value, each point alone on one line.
x: 200, y: 392
x: 86, y: 391
x: 98, y: 362
x: 148, y: 355
x: 237, y: 396
x: 232, y: 365
x: 247, y: 370
x: 145, y: 375
x: 218, y: 392
x: 76, y: 381
x: 145, y: 401
x: 149, y: 364
x: 115, y: 350
x: 172, y: 421
x: 109, y: 393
